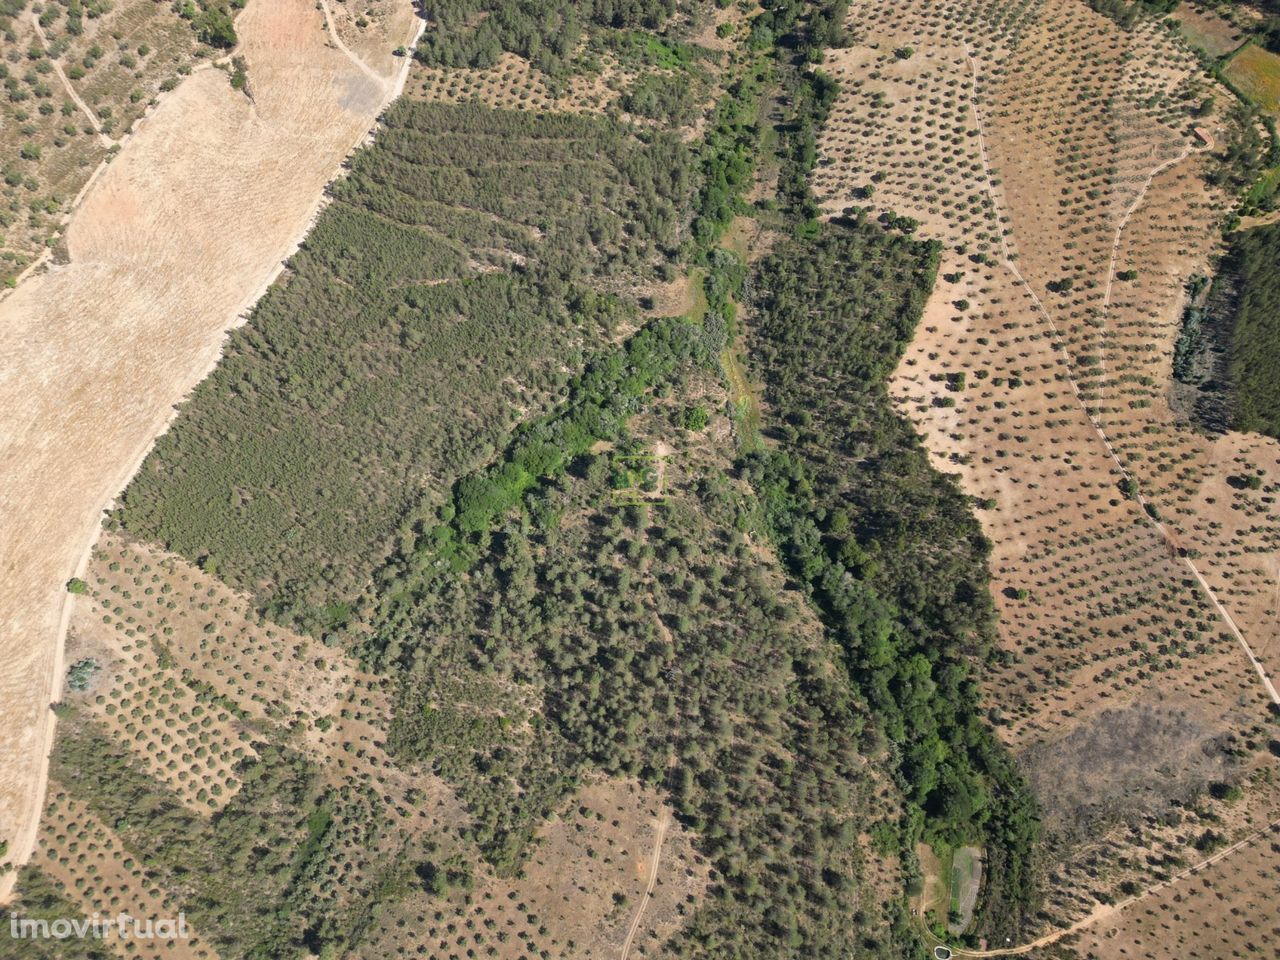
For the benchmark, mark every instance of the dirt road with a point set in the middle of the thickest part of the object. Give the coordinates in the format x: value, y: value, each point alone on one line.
x: 177, y: 239
x: 1078, y: 394
x: 660, y: 834
x: 1103, y: 911
x: 66, y: 84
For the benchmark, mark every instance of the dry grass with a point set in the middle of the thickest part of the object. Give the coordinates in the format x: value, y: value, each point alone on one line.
x: 117, y: 67
x: 1256, y: 72
x: 209, y: 634
x: 366, y: 25
x: 187, y: 671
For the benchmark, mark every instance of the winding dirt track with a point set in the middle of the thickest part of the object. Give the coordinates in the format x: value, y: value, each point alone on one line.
x: 181, y: 234
x: 1058, y: 341
x: 659, y: 835
x: 1103, y: 911
x: 105, y: 140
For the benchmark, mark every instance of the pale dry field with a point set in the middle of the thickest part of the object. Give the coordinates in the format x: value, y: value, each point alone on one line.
x: 174, y: 242
x: 1041, y: 144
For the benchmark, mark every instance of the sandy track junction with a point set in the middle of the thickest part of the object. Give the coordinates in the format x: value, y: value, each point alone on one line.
x: 177, y: 238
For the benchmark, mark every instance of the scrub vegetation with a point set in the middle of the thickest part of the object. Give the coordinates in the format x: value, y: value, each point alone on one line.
x: 439, y: 299
x: 891, y: 550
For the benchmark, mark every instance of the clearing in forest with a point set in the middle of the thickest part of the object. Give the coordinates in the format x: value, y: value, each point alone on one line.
x: 1256, y: 72
x: 1208, y: 29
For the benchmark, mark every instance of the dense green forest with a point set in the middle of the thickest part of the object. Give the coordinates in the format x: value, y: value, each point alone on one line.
x: 473, y: 33
x: 890, y: 548
x: 432, y: 305
x: 1254, y: 353
x: 653, y: 643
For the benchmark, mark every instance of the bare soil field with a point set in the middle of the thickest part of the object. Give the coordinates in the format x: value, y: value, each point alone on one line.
x: 1227, y: 910
x: 580, y: 894
x: 1208, y: 29
x: 1053, y: 155
x: 179, y: 236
